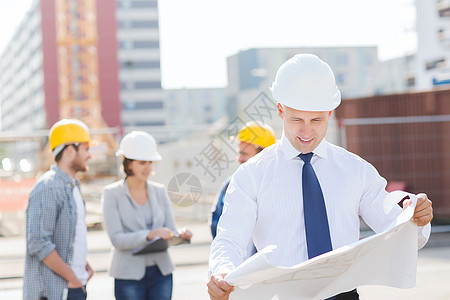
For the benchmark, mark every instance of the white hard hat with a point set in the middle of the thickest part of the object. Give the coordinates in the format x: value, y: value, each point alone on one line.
x: 305, y: 82
x: 138, y: 145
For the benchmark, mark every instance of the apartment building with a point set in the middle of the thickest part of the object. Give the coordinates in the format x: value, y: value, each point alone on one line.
x: 433, y: 52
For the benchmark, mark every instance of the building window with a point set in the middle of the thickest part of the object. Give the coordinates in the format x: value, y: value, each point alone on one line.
x: 140, y: 65
x: 127, y: 85
x: 125, y: 24
x: 140, y: 85
x: 153, y: 123
x: 439, y: 63
x: 124, y: 4
x: 443, y: 35
x: 138, y: 4
x: 147, y: 85
x: 138, y: 24
x: 139, y: 44
x: 126, y: 45
x: 146, y: 44
x: 142, y: 105
x: 129, y: 105
x: 340, y: 79
x: 342, y: 59
x: 443, y: 7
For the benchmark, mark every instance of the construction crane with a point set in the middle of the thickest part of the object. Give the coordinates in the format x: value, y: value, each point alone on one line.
x: 77, y: 57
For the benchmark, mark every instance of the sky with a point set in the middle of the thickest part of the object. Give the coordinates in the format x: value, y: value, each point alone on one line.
x: 197, y: 36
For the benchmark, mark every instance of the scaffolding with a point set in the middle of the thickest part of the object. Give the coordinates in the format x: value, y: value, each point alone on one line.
x: 77, y: 56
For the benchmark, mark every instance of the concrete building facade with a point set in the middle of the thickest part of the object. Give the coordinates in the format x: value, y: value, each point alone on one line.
x: 189, y: 110
x: 129, y: 76
x: 397, y: 75
x: 433, y: 52
x: 141, y: 95
x: 22, y: 77
x: 29, y: 79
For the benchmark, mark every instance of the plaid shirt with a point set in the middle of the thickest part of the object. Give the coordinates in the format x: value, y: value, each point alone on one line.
x: 50, y: 225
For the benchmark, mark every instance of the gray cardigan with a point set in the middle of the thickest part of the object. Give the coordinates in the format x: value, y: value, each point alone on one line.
x: 127, y: 229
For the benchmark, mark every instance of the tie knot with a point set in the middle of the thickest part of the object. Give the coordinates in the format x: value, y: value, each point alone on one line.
x: 306, y: 157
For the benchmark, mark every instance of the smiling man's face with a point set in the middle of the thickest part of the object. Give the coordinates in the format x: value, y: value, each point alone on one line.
x: 304, y: 129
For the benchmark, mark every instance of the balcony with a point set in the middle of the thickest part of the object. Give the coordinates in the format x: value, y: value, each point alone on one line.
x: 444, y: 37
x: 442, y: 78
x: 443, y: 7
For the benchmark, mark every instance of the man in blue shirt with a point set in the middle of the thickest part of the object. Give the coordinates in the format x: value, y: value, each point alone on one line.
x: 55, y: 262
x: 253, y: 138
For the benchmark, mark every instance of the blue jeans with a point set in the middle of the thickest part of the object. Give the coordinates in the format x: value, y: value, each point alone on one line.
x: 154, y: 286
x: 77, y: 294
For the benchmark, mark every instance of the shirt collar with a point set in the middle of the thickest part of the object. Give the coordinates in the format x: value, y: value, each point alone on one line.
x: 65, y: 177
x: 127, y: 188
x: 290, y: 152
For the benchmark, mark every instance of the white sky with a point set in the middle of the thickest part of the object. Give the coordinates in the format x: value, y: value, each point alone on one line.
x: 198, y: 35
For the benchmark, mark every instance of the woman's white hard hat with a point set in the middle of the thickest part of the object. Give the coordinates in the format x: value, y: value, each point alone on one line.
x: 139, y: 145
x: 307, y: 83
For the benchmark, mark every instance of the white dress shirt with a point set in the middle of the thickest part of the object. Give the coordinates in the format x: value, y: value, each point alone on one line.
x: 264, y: 202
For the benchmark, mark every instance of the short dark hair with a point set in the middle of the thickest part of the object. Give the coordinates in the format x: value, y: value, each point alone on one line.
x: 126, y: 166
x: 59, y: 155
x: 258, y: 149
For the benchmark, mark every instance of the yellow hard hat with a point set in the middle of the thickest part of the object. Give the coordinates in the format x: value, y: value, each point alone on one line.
x: 68, y: 131
x: 257, y: 134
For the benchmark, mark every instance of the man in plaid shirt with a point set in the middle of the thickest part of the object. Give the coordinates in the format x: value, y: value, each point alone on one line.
x: 55, y: 263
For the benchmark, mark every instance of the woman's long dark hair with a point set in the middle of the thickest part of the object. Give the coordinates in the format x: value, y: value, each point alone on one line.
x: 126, y: 166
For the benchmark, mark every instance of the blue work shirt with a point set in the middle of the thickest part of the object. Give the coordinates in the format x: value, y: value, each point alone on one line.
x: 218, y: 209
x: 51, y: 218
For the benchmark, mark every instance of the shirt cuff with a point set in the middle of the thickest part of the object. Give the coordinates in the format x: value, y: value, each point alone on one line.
x: 423, y: 235
x: 46, y: 251
x: 220, y: 270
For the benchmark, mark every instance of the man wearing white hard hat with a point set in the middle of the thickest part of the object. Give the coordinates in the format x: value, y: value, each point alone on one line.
x: 136, y: 211
x: 302, y: 194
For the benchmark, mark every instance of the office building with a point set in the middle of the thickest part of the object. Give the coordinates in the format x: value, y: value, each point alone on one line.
x: 126, y: 64
x: 433, y: 52
x: 141, y: 95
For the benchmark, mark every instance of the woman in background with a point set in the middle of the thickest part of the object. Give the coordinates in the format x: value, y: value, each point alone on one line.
x: 136, y: 211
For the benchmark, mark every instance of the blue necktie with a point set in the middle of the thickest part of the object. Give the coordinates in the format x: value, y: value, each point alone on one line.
x: 316, y: 222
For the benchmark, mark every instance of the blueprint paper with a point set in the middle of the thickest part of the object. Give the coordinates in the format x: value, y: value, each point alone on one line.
x: 387, y: 258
